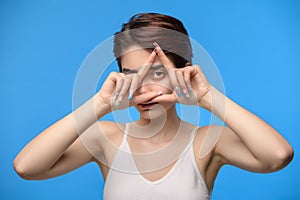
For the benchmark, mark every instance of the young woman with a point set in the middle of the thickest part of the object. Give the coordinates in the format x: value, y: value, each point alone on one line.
x: 162, y: 159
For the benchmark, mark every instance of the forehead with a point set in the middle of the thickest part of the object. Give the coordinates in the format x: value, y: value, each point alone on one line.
x: 135, y: 57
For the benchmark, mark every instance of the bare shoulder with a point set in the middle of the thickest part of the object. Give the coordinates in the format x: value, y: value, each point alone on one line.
x: 221, y: 137
x: 212, y: 137
x: 205, y: 141
x: 110, y: 137
x: 101, y: 135
x: 111, y: 130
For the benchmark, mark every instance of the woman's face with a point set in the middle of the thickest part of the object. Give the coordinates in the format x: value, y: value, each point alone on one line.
x: 156, y: 80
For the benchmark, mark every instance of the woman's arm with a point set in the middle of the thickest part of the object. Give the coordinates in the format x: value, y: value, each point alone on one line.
x: 248, y: 142
x: 58, y: 149
x: 54, y: 151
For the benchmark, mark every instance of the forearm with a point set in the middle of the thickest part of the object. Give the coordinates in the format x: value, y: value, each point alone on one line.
x: 263, y: 141
x: 44, y: 150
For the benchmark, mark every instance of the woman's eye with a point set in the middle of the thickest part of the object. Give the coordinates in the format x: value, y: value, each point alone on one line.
x: 158, y: 74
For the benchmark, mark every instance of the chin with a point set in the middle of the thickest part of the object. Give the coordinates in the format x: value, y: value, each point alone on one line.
x: 152, y: 114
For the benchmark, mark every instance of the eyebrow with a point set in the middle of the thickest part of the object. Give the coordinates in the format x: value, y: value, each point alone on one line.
x: 131, y: 71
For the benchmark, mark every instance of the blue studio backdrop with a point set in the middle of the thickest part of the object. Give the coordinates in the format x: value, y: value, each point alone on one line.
x: 255, y: 45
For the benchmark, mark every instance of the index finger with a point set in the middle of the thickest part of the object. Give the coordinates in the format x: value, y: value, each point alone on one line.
x: 146, y: 66
x: 164, y: 59
x: 169, y: 67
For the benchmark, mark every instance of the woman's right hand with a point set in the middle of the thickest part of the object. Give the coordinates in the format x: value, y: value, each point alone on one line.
x: 117, y: 91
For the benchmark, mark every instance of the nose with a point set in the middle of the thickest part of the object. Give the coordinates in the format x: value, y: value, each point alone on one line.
x: 144, y: 88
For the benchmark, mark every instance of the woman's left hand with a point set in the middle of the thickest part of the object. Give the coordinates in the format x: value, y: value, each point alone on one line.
x: 189, y: 83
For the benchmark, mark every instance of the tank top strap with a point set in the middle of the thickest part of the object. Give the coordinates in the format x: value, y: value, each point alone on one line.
x: 194, y: 132
x: 193, y: 156
x: 189, y: 146
x: 124, y: 145
x: 126, y: 131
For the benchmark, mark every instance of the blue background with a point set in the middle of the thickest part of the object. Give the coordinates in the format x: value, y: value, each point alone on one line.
x: 255, y: 45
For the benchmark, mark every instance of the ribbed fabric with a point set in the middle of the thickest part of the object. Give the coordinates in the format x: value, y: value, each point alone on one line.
x: 182, y: 182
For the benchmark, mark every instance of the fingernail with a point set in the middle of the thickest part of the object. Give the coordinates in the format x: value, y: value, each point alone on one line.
x: 154, y: 50
x: 178, y: 91
x: 155, y: 44
x: 189, y: 87
x: 130, y: 95
x: 116, y: 96
x: 120, y: 98
x: 186, y: 93
x: 159, y: 93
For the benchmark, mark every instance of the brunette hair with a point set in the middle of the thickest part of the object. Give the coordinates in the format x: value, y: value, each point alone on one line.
x: 145, y: 28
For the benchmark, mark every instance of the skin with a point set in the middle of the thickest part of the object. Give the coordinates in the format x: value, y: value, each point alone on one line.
x: 246, y: 142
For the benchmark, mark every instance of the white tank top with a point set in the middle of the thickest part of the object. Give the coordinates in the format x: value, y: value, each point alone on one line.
x: 182, y: 182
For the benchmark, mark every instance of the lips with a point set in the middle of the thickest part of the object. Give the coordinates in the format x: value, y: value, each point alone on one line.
x: 147, y: 105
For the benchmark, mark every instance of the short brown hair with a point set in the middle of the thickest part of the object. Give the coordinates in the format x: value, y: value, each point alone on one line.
x: 145, y: 28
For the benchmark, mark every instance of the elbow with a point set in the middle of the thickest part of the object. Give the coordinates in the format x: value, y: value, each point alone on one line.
x: 22, y: 170
x: 282, y: 159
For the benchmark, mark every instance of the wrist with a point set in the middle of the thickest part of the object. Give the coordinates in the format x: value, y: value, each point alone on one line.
x: 212, y: 99
x: 206, y: 100
x: 88, y: 113
x: 101, y: 108
x: 215, y: 102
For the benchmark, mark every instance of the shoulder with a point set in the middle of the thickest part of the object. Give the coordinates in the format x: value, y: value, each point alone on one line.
x: 213, y: 140
x: 214, y: 134
x: 110, y: 133
x: 206, y: 139
x: 208, y: 142
x: 96, y: 137
x: 109, y: 128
